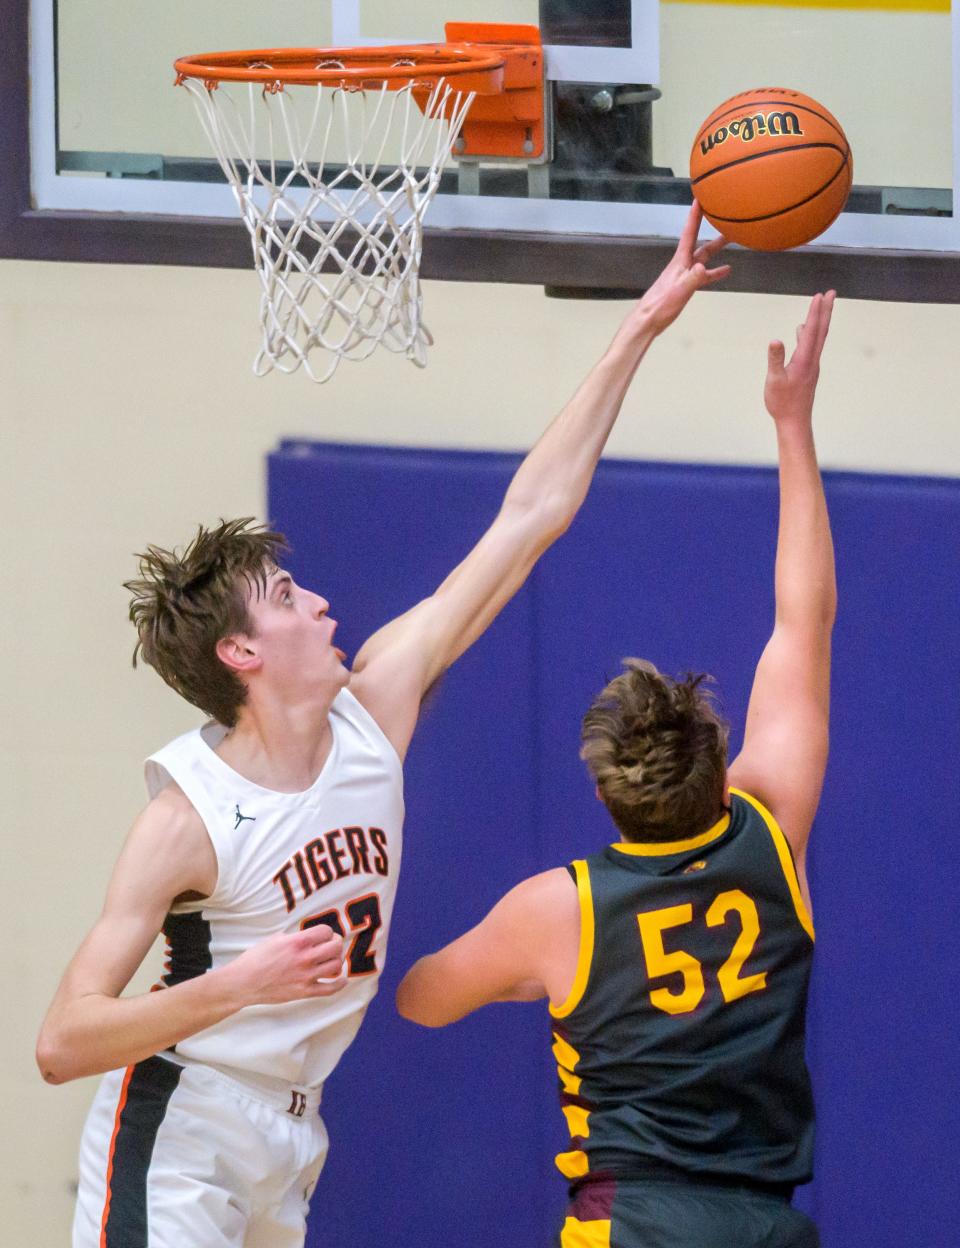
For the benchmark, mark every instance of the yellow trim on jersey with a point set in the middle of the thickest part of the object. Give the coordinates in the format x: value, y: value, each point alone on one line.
x: 567, y: 1057
x: 576, y: 1117
x: 593, y: 1234
x: 572, y: 1165
x: 658, y: 849
x: 782, y: 846
x: 585, y: 954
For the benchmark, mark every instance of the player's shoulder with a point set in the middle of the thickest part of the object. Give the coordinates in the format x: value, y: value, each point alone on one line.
x: 168, y: 848
x: 546, y: 898
x: 555, y: 882
x: 170, y: 819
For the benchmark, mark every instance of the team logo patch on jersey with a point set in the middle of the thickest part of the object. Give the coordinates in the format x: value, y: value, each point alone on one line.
x: 240, y: 819
x: 699, y: 865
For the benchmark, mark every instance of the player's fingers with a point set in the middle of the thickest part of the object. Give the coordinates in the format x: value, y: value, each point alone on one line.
x: 715, y: 275
x: 319, y: 934
x: 710, y: 248
x: 808, y: 331
x: 325, y: 951
x: 327, y: 986
x: 776, y: 354
x: 328, y: 960
x: 327, y: 972
x: 826, y: 312
x: 329, y: 954
x: 691, y: 228
x: 695, y: 279
x: 815, y: 315
x: 813, y: 340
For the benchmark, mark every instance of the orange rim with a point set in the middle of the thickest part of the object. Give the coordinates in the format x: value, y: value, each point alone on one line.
x: 425, y: 64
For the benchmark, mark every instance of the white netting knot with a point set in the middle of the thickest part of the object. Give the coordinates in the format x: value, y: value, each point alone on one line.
x: 333, y: 183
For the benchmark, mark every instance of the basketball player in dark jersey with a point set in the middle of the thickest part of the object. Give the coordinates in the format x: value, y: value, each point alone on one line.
x: 676, y: 961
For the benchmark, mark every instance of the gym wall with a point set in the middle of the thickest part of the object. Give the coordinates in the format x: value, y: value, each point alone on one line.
x: 130, y: 414
x: 673, y: 563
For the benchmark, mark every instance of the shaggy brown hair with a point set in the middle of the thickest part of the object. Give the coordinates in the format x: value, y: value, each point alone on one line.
x: 657, y: 750
x: 185, y: 601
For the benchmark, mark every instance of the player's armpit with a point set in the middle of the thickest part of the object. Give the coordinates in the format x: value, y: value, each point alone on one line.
x: 526, y: 990
x: 525, y: 949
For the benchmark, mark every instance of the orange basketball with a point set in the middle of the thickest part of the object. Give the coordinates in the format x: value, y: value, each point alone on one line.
x: 771, y: 168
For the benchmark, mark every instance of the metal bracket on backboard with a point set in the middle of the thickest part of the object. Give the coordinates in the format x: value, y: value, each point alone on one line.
x: 916, y: 201
x: 511, y: 124
x: 538, y: 167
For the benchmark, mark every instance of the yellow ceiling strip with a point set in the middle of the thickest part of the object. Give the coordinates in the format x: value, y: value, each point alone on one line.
x: 879, y: 6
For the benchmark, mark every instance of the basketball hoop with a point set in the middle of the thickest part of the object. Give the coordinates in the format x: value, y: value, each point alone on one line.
x: 334, y: 155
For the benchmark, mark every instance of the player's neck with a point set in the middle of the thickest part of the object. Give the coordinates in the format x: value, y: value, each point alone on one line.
x: 279, y: 746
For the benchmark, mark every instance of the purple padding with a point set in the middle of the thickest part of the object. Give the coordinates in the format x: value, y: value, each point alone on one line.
x: 446, y: 1138
x: 436, y: 1137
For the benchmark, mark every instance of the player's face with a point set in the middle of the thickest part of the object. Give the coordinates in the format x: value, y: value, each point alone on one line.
x: 294, y: 638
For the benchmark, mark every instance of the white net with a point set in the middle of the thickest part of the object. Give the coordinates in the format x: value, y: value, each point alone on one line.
x: 333, y: 184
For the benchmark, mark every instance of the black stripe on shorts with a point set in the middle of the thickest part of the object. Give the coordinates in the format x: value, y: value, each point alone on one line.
x: 149, y: 1089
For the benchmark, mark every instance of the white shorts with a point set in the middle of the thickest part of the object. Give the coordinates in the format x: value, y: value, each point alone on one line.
x: 186, y: 1157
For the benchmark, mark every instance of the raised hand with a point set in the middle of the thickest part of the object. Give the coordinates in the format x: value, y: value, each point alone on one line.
x: 291, y: 966
x: 686, y: 273
x: 790, y: 387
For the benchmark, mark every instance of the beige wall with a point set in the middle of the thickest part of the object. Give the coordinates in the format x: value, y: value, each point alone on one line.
x: 708, y: 52
x: 131, y: 413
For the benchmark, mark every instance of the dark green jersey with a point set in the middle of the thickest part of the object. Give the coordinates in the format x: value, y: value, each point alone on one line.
x: 682, y: 1040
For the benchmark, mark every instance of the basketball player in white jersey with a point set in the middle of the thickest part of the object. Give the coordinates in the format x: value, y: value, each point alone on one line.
x: 269, y: 851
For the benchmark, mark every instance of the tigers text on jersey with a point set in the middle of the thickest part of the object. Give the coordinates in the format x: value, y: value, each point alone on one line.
x: 286, y: 861
x: 682, y: 1040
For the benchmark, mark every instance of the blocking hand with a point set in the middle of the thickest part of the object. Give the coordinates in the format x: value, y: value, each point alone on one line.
x: 790, y: 387
x: 686, y: 273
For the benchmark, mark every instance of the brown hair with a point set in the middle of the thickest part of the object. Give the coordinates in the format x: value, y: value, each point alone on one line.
x: 185, y: 601
x: 657, y: 750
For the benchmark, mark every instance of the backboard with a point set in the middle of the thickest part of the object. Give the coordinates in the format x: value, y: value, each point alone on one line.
x: 116, y: 168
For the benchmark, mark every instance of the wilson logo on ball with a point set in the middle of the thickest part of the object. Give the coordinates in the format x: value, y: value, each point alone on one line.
x: 771, y: 168
x: 746, y: 129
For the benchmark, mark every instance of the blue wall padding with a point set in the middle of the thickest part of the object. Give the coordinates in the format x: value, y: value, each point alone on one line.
x: 446, y: 1138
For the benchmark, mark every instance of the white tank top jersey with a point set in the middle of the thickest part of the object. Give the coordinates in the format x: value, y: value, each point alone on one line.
x: 330, y: 854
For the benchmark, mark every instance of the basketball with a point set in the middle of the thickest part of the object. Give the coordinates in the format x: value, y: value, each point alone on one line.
x: 771, y: 168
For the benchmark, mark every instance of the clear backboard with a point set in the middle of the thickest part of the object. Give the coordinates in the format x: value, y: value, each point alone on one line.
x: 105, y: 161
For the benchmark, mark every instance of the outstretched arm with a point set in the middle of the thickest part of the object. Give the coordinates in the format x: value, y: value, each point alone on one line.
x: 784, y: 752
x: 399, y: 663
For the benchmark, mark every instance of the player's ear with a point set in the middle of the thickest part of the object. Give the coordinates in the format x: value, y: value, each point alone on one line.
x: 238, y: 652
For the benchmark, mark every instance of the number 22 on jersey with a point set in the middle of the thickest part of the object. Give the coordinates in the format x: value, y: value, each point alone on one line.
x: 363, y: 915
x: 660, y: 963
